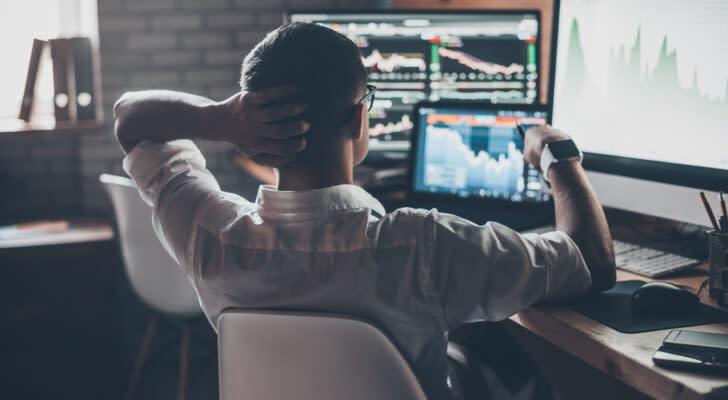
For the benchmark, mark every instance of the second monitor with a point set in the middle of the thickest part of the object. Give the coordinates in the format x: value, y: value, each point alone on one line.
x: 411, y: 56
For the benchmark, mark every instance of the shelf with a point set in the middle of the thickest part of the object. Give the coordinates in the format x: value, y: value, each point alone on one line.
x: 48, y: 126
x: 80, y: 230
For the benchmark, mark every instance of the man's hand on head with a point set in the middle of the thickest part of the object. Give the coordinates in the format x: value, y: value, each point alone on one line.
x: 536, y: 138
x: 265, y: 128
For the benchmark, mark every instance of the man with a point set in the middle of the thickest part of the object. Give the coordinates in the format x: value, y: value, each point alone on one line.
x: 316, y: 242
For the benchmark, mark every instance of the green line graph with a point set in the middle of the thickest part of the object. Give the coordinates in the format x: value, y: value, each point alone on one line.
x: 624, y: 106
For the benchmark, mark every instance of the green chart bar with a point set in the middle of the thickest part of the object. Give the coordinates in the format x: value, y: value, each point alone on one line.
x: 434, y: 57
x: 531, y: 51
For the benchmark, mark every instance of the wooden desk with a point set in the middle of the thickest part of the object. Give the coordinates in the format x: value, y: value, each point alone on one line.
x: 59, y: 314
x: 627, y: 357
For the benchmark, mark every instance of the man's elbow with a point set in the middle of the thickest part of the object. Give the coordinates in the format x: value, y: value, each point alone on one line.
x: 606, y: 282
x: 604, y: 276
x: 121, y: 111
x: 122, y: 108
x: 122, y: 105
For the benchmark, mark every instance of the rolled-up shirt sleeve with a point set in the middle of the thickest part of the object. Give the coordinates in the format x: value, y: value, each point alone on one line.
x: 173, y: 179
x: 491, y: 272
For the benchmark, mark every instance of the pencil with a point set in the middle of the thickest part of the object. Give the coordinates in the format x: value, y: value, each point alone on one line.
x: 722, y: 206
x: 710, y: 212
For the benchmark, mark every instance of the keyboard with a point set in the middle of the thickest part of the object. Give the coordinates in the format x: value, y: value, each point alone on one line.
x: 650, y: 262
x: 642, y: 260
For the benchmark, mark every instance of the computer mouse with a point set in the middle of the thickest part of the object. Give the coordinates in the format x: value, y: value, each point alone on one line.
x: 663, y: 298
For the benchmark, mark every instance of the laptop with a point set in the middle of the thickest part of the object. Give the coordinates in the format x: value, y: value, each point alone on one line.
x: 467, y: 159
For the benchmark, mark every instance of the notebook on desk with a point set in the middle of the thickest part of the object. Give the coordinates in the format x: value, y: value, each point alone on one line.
x: 30, y: 229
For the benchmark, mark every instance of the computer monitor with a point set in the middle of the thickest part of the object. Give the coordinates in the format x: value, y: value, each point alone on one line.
x: 411, y: 56
x: 473, y: 151
x: 642, y: 86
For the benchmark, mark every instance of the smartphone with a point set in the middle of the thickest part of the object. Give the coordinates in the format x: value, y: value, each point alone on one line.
x: 705, y: 360
x: 697, y: 340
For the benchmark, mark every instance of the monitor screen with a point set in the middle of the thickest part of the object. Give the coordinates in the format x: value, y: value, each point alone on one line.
x: 642, y: 86
x: 413, y: 56
x: 475, y: 153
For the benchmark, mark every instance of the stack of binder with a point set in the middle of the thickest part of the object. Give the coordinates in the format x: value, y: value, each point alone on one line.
x: 74, y: 79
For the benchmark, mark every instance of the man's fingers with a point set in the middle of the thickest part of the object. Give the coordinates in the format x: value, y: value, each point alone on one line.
x: 277, y: 113
x: 265, y: 96
x: 269, y: 160
x: 537, y: 128
x: 282, y: 147
x: 284, y: 130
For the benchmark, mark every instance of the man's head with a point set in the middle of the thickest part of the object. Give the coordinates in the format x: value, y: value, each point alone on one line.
x: 326, y: 68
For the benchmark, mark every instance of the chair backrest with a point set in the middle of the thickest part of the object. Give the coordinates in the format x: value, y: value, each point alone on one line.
x: 284, y: 356
x: 154, y: 274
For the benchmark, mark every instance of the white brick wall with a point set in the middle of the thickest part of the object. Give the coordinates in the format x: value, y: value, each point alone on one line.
x: 189, y: 45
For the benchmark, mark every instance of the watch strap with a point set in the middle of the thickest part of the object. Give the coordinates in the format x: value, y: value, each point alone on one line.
x: 548, y: 159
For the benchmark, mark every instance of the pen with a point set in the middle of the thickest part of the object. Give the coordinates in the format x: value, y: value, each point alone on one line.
x: 723, y: 219
x: 723, y: 222
x: 520, y: 130
x: 710, y: 212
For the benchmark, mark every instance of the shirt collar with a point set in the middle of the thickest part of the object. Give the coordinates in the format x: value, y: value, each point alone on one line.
x: 272, y: 203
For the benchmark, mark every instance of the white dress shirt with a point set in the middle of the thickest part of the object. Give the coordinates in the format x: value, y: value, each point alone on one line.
x: 414, y: 273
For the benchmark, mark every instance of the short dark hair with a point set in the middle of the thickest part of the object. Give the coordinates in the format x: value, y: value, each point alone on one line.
x: 325, y: 65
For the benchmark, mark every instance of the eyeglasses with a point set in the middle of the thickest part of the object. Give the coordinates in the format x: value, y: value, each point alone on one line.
x: 368, y: 97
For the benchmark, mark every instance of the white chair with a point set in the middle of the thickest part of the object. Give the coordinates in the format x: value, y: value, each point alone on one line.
x: 284, y: 356
x: 154, y: 275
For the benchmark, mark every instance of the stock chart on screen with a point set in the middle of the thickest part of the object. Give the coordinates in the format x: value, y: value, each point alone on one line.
x: 648, y: 84
x: 475, y: 153
x: 410, y: 57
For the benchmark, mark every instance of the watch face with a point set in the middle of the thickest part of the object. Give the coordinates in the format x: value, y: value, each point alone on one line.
x: 564, y: 149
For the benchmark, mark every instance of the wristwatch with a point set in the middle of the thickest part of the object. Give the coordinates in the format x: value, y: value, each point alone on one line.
x: 558, y: 152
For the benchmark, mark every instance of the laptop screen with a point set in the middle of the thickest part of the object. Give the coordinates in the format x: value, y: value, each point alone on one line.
x: 465, y: 152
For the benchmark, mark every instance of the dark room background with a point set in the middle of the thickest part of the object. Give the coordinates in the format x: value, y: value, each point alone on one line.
x: 189, y: 45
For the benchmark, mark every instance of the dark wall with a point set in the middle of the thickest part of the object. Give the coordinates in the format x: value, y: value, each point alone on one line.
x: 40, y: 176
x: 189, y: 45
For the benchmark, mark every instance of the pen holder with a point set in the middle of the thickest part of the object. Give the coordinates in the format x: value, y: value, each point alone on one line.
x: 718, y: 266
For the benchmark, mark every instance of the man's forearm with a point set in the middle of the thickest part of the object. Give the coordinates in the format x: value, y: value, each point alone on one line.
x: 163, y: 115
x: 580, y: 215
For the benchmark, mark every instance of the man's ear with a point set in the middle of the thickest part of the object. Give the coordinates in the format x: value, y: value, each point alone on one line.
x: 356, y: 125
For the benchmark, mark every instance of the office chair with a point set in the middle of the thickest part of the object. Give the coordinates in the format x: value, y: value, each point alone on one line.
x: 283, y: 356
x: 154, y: 275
